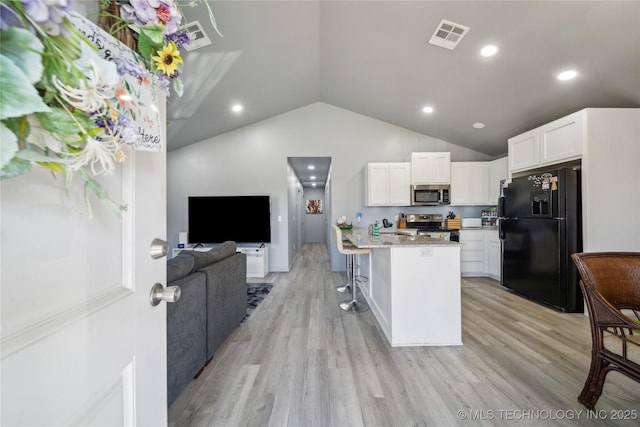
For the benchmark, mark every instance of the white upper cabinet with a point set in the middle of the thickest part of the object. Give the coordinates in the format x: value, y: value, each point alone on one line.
x: 430, y: 168
x: 556, y: 142
x: 561, y: 140
x: 469, y: 183
x: 524, y: 151
x: 477, y: 183
x: 388, y: 184
x: 498, y: 170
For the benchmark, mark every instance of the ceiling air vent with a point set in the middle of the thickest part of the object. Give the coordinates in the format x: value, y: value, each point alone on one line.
x: 448, y: 34
x: 198, y: 37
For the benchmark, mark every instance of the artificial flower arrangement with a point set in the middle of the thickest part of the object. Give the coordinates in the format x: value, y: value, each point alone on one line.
x: 156, y: 37
x: 63, y: 106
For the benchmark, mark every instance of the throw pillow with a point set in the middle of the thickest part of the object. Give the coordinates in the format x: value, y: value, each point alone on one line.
x: 179, y: 266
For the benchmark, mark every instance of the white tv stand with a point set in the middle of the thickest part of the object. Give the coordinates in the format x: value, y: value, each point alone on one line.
x: 257, y: 260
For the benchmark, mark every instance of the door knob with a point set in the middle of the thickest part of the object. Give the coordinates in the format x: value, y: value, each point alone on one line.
x: 158, y: 249
x: 159, y: 293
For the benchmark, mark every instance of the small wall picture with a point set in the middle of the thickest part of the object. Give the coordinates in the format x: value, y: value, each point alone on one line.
x: 314, y: 206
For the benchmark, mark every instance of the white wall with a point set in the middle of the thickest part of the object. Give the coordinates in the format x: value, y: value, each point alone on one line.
x: 253, y: 160
x: 314, y: 225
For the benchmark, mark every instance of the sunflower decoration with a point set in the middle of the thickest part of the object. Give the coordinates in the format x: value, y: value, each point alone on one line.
x: 168, y: 59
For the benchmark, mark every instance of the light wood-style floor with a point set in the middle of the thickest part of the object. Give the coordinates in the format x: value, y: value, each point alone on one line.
x: 301, y: 361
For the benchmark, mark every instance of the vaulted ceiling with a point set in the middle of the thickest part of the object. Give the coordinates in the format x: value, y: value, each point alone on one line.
x: 373, y: 58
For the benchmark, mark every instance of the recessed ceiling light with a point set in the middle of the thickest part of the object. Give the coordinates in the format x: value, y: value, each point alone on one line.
x: 236, y: 108
x: 428, y: 109
x: 313, y: 184
x: 312, y: 177
x: 478, y: 125
x: 489, y: 50
x: 311, y: 167
x: 567, y: 75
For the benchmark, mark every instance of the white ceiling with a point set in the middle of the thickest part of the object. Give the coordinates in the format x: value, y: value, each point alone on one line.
x: 373, y: 58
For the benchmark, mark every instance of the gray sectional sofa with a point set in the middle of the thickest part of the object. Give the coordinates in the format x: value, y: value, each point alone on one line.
x: 212, y: 304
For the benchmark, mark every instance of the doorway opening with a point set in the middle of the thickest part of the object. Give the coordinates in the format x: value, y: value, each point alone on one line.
x: 309, y: 201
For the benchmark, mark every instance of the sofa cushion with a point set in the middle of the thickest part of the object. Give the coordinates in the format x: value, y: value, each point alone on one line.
x: 226, y: 299
x: 186, y: 334
x: 179, y: 266
x: 222, y: 251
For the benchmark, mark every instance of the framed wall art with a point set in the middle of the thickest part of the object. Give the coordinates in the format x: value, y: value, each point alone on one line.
x: 314, y: 206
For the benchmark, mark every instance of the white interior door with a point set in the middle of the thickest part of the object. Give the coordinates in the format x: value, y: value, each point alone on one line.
x: 81, y: 344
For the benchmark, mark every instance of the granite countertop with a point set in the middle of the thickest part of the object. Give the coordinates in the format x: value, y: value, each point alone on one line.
x: 362, y: 239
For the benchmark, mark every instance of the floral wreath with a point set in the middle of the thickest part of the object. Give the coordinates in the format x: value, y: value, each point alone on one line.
x: 62, y: 106
x: 151, y: 27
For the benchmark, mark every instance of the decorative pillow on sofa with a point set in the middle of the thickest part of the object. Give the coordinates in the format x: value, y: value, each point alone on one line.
x: 179, y: 266
x: 222, y: 251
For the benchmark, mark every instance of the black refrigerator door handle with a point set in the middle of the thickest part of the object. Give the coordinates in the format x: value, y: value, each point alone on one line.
x: 501, y: 206
x: 501, y: 221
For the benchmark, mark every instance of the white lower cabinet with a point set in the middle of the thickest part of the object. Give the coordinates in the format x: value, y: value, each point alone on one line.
x: 472, y: 253
x: 481, y: 253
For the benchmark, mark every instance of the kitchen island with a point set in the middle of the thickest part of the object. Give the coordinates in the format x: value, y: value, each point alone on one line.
x: 413, y: 288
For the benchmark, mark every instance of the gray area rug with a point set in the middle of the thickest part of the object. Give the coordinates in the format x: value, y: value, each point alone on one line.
x: 256, y: 293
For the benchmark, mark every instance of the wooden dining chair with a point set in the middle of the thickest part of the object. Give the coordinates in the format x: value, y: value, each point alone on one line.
x: 610, y: 284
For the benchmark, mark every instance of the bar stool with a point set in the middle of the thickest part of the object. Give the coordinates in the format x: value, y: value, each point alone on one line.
x: 352, y: 275
x: 343, y: 289
x: 352, y: 305
x: 349, y: 260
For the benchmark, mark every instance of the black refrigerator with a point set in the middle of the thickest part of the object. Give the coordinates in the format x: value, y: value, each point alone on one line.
x: 540, y: 227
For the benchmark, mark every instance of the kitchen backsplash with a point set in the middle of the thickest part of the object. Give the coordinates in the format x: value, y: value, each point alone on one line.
x: 372, y: 214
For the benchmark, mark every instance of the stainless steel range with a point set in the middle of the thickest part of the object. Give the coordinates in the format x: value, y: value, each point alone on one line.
x: 431, y: 225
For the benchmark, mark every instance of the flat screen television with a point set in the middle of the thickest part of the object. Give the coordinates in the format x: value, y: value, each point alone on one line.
x: 250, y: 219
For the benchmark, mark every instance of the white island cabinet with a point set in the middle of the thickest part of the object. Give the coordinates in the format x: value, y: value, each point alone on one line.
x: 414, y: 288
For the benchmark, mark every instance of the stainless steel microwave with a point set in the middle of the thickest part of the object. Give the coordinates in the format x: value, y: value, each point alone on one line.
x: 429, y: 195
